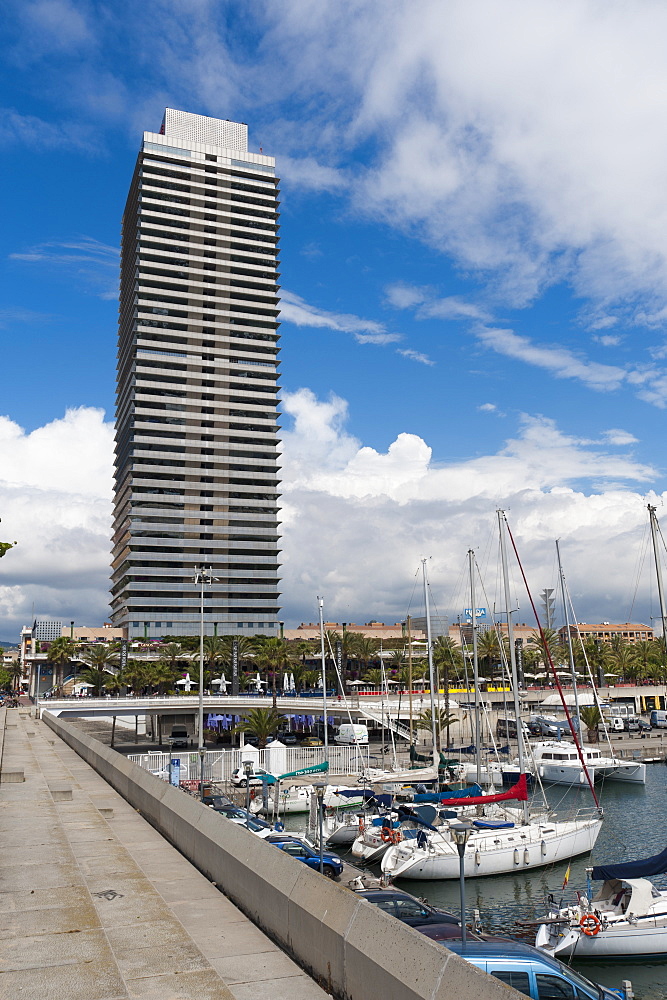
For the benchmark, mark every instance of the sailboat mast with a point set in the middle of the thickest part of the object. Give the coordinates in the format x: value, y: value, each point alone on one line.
x: 409, y: 624
x: 429, y: 643
x: 561, y: 576
x: 320, y: 602
x: 661, y: 597
x: 510, y: 639
x: 475, y: 664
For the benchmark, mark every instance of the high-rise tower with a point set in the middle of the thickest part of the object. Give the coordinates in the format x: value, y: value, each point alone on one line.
x: 196, y: 466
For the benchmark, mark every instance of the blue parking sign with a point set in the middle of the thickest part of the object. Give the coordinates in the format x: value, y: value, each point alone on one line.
x: 175, y: 771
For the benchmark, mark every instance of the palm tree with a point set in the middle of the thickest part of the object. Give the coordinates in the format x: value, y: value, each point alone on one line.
x: 550, y: 643
x: 625, y: 658
x: 442, y: 721
x: 374, y: 677
x: 100, y: 662
x: 60, y: 654
x: 591, y: 716
x: 273, y: 654
x: 488, y: 650
x: 261, y: 722
x: 15, y: 671
x: 134, y: 675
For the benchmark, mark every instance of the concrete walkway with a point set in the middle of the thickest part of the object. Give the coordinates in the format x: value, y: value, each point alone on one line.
x: 96, y: 905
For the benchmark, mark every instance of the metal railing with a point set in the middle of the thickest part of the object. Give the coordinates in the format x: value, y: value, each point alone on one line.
x: 220, y: 764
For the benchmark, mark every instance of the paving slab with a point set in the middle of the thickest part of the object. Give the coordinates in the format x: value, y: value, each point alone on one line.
x: 99, y: 906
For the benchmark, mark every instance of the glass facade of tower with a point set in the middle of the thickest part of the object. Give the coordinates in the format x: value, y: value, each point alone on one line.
x: 196, y: 460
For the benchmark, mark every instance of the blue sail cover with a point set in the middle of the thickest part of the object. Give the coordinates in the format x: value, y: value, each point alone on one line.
x: 656, y: 865
x: 460, y: 793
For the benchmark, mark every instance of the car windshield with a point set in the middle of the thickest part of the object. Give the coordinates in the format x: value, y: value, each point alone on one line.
x: 579, y: 980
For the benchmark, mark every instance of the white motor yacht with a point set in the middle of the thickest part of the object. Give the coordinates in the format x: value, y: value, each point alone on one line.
x: 558, y: 763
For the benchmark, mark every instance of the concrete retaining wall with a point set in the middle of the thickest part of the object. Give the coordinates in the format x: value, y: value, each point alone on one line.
x: 352, y: 948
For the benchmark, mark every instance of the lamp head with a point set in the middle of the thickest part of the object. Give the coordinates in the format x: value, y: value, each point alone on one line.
x: 319, y: 790
x: 460, y: 833
x: 247, y: 766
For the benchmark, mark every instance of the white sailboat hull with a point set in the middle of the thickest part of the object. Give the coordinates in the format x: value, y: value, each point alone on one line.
x: 494, y: 852
x: 614, y: 942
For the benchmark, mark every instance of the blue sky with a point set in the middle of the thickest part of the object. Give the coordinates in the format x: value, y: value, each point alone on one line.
x: 474, y: 262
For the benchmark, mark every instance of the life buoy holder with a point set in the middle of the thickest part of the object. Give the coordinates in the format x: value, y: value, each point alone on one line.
x: 590, y: 924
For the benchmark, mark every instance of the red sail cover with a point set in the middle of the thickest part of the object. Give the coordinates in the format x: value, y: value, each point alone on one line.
x: 518, y: 792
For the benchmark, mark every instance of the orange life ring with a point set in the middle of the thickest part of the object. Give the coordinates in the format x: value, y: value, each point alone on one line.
x: 590, y: 924
x: 395, y: 836
x: 361, y: 827
x: 253, y: 793
x: 387, y: 835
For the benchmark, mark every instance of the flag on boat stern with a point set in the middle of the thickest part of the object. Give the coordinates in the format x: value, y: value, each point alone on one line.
x: 567, y: 876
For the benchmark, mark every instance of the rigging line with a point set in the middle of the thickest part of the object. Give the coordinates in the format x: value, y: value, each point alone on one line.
x: 506, y: 672
x: 589, y: 671
x: 639, y: 567
x: 414, y: 587
x: 547, y: 653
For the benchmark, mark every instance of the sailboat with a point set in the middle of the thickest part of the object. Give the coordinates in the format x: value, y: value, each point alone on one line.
x: 516, y: 838
x: 557, y: 762
x: 626, y: 917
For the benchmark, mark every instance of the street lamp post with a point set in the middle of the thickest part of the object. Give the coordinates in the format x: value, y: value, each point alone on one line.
x: 319, y: 789
x: 460, y: 833
x: 247, y: 767
x: 202, y: 577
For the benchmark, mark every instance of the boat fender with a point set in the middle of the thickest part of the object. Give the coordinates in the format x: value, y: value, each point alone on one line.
x: 361, y: 827
x: 516, y: 855
x: 478, y: 858
x: 543, y: 848
x: 590, y: 924
x: 526, y: 856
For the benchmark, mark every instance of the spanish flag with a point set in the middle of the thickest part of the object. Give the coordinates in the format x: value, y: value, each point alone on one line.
x: 567, y: 876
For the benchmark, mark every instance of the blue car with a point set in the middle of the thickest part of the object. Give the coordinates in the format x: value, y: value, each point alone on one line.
x: 331, y: 863
x: 529, y: 971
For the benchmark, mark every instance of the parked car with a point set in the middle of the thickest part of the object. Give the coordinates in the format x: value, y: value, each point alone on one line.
x: 446, y: 932
x: 529, y: 971
x: 633, y: 724
x: 258, y: 776
x: 289, y: 739
x: 407, y: 908
x: 507, y: 728
x: 312, y: 741
x: 179, y: 737
x: 331, y: 863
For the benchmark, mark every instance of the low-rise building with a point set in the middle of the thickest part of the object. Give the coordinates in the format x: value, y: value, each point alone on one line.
x: 627, y: 631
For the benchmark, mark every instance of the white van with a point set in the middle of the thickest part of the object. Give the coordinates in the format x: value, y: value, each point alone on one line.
x: 352, y: 734
x: 659, y: 718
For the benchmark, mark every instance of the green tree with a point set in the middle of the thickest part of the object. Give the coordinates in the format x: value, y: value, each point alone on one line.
x: 443, y: 720
x: 100, y: 664
x: 626, y: 661
x: 591, y: 717
x: 261, y: 722
x: 273, y: 655
x: 488, y: 651
x: 60, y: 654
x: 15, y: 673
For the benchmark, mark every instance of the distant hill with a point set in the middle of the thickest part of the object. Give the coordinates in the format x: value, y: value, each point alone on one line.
x: 8, y: 644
